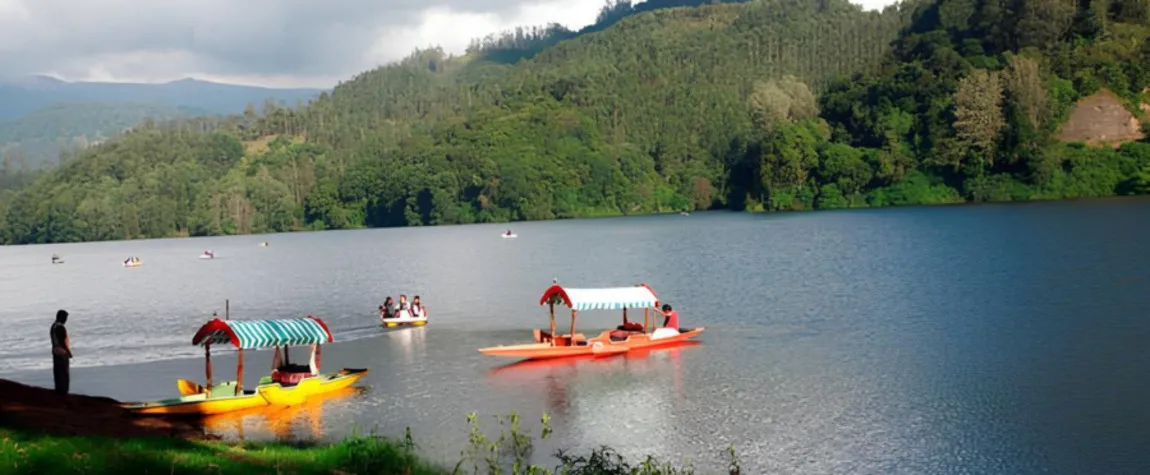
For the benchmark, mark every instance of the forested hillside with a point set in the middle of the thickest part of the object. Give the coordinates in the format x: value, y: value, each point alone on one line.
x: 767, y: 105
x: 41, y: 137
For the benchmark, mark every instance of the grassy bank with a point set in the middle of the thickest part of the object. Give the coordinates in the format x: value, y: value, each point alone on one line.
x: 28, y: 452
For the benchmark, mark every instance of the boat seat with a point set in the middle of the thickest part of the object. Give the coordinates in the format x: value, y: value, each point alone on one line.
x: 265, y: 380
x: 622, y: 335
x: 289, y: 378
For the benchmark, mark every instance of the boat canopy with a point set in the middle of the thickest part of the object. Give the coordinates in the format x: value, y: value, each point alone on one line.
x: 263, y: 333
x: 639, y: 296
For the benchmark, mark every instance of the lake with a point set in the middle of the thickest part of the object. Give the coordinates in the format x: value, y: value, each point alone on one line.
x: 970, y: 339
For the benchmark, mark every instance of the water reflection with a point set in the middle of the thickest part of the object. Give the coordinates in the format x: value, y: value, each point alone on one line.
x: 609, y: 399
x: 292, y: 423
x: 412, y: 341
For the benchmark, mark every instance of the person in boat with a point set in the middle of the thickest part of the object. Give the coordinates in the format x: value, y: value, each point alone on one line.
x: 417, y: 308
x: 403, y: 309
x: 61, y: 352
x: 670, y: 318
x: 629, y: 326
x: 385, y: 310
x: 508, y: 233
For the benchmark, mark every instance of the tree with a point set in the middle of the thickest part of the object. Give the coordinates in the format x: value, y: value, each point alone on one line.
x: 978, y: 115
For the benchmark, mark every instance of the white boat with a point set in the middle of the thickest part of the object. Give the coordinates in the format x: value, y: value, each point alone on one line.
x: 509, y: 236
x: 133, y: 263
x: 208, y: 255
x: 264, y: 244
x: 408, y: 320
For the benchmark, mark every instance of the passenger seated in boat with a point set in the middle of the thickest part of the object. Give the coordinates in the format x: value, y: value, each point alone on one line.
x: 385, y: 310
x: 417, y: 308
x: 403, y: 310
x: 671, y: 318
x: 287, y: 373
x: 628, y: 326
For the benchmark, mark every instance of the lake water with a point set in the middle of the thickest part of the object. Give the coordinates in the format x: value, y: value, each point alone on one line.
x: 988, y: 339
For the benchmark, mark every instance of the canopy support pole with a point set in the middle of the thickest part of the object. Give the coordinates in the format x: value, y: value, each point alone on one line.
x: 318, y: 357
x: 552, y: 304
x: 624, y: 315
x: 240, y: 373
x: 646, y: 319
x: 573, y: 325
x: 208, y: 363
x: 227, y: 309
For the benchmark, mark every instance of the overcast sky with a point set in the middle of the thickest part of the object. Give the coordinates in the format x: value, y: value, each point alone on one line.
x: 266, y: 42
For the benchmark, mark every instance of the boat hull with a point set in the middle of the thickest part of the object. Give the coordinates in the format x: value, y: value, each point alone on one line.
x: 270, y: 394
x: 406, y: 321
x: 278, y: 395
x: 200, y: 404
x: 539, y: 351
x: 601, y: 345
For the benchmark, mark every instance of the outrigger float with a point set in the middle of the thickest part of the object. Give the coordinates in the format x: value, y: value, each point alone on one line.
x: 288, y: 384
x: 611, y: 342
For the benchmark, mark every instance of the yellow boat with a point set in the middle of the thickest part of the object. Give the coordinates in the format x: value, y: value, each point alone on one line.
x: 288, y: 384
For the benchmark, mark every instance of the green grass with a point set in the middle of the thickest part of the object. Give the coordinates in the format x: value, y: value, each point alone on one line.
x: 27, y: 452
x: 23, y: 451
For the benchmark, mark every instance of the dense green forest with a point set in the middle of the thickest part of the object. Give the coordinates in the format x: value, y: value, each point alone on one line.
x: 765, y: 105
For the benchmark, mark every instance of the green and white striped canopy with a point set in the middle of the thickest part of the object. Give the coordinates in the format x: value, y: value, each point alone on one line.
x: 618, y: 298
x: 247, y: 334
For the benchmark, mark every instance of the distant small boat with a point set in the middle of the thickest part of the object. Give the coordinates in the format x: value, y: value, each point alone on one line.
x: 135, y: 263
x: 509, y: 235
x: 208, y: 255
x: 684, y: 213
x: 264, y: 244
x: 56, y: 259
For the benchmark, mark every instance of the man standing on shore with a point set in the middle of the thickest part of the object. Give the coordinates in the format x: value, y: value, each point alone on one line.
x: 61, y: 352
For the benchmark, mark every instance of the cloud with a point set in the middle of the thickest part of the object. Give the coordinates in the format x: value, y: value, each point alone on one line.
x: 277, y: 42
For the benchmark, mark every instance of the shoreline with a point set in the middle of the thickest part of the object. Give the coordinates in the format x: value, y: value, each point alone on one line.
x: 959, y: 204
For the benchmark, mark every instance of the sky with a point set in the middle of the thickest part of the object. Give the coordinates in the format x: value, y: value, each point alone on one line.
x: 279, y: 43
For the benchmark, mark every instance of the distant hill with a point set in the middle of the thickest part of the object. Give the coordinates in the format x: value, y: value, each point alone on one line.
x: 41, y: 116
x: 25, y: 95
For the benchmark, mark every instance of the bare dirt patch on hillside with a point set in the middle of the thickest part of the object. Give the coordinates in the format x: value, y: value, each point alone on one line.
x: 1101, y: 119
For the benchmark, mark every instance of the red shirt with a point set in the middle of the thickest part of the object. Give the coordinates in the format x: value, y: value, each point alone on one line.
x: 672, y: 319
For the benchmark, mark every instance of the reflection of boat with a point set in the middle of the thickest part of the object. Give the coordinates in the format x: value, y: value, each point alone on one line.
x: 287, y: 385
x: 552, y: 345
x: 278, y: 419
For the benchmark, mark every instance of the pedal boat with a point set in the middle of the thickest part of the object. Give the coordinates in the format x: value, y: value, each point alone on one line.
x: 405, y: 320
x: 611, y: 342
x: 288, y: 384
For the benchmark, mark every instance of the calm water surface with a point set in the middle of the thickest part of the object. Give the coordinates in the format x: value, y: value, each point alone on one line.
x: 992, y: 339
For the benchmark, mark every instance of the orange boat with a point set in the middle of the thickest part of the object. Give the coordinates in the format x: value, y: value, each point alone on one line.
x: 611, y: 342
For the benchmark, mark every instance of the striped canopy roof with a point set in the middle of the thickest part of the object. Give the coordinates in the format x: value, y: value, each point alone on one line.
x: 639, y: 296
x: 247, y: 334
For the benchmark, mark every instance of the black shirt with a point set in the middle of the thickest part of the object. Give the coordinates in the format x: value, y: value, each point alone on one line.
x: 59, y: 335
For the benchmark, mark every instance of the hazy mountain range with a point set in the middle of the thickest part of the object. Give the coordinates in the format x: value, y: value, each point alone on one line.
x: 42, y: 115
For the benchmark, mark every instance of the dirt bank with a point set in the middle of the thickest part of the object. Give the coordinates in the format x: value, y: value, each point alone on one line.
x: 1100, y: 120
x: 42, y: 410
